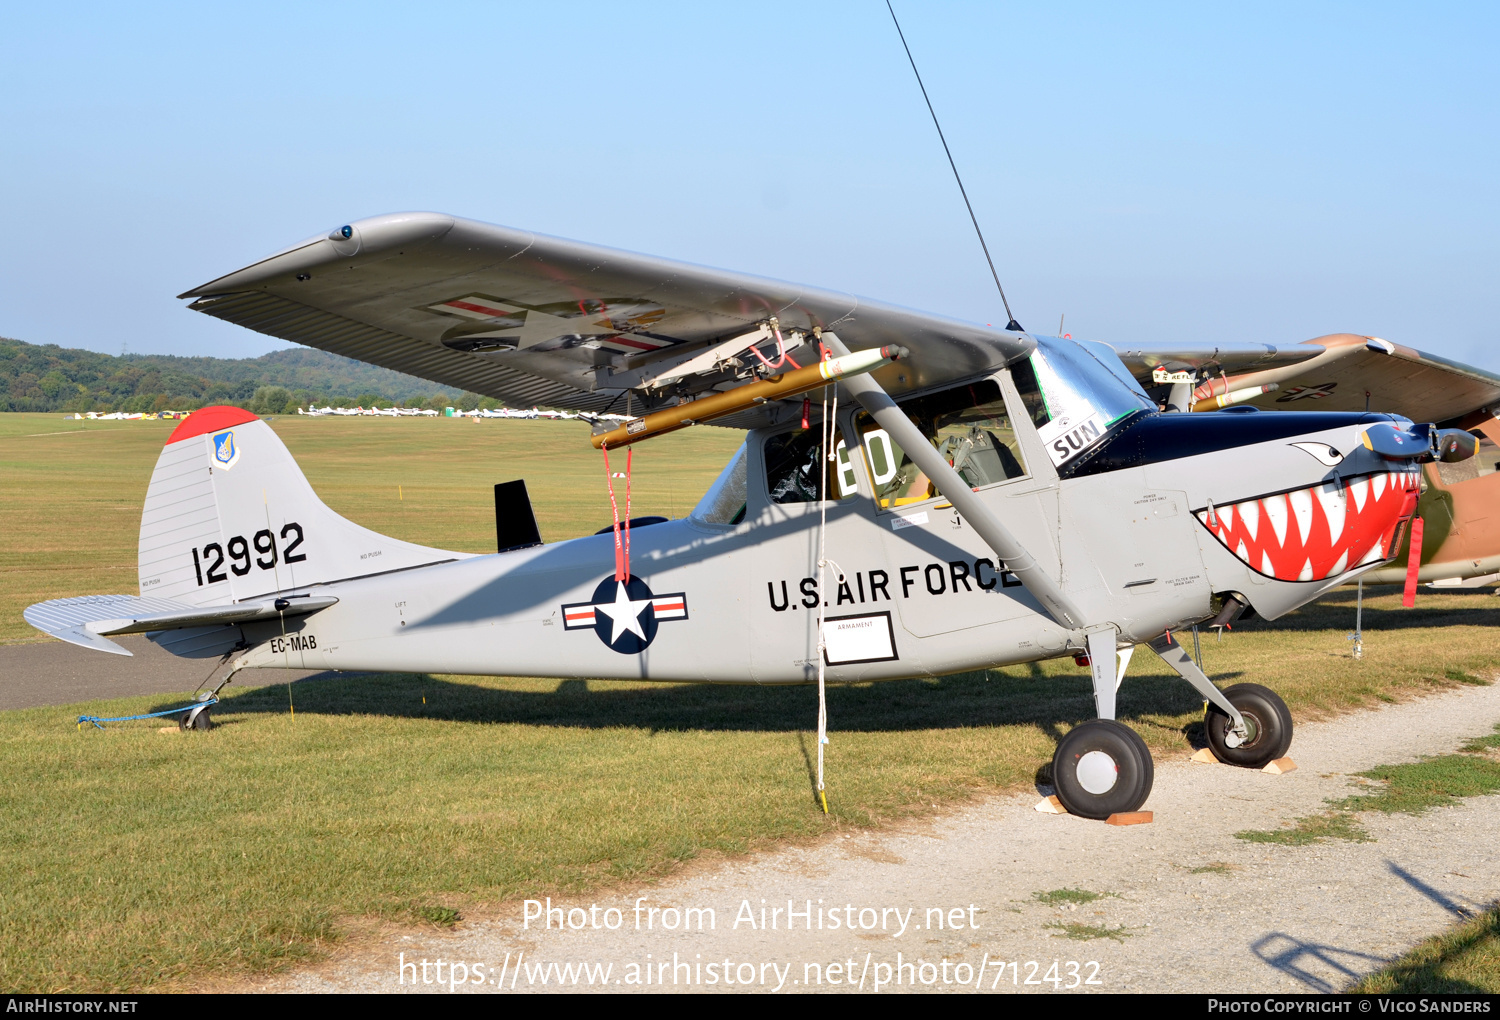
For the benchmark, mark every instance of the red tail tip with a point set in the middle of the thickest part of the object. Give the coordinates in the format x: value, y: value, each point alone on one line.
x: 209, y: 419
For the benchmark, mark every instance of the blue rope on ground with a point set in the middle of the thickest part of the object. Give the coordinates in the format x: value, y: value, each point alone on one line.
x: 96, y: 720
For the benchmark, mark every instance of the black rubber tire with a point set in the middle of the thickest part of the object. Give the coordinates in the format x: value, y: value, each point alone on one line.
x: 1135, y: 770
x: 1269, y: 717
x: 1150, y: 772
x: 200, y: 722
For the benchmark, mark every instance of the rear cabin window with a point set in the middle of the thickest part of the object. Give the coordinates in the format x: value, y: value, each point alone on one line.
x: 968, y: 425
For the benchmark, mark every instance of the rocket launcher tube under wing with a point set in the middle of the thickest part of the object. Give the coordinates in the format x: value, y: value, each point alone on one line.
x: 1235, y: 396
x: 952, y: 486
x: 777, y: 387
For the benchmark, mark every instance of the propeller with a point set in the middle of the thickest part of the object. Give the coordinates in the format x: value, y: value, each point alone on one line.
x: 1422, y: 443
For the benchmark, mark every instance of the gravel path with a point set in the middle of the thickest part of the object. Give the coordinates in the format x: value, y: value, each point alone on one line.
x: 1267, y: 918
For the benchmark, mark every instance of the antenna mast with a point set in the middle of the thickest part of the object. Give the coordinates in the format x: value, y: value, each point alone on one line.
x: 1012, y: 325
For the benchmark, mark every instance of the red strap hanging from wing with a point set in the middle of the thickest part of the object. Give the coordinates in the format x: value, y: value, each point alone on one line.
x: 1413, y: 563
x: 622, y: 544
x: 625, y: 565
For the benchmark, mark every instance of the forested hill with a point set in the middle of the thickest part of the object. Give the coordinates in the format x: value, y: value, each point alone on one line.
x: 52, y: 378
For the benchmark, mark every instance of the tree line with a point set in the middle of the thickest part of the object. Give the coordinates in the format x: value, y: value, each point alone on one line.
x: 45, y: 377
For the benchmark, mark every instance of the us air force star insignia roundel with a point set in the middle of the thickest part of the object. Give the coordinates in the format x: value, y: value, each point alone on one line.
x: 624, y: 613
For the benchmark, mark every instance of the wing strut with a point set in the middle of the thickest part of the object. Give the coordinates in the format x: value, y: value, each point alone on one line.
x: 948, y: 482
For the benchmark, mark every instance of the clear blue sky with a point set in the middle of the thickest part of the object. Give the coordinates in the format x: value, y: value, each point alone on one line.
x: 1178, y: 172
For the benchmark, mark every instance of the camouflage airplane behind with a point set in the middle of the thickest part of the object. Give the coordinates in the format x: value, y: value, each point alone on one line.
x: 1460, y: 502
x: 915, y: 495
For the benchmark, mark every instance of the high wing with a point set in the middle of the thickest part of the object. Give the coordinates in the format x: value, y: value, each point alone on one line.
x: 532, y: 319
x: 1338, y: 372
x: 1234, y: 357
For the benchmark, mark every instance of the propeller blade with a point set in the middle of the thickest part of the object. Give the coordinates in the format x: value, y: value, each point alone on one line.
x: 1454, y: 445
x: 1423, y: 443
x: 1396, y: 443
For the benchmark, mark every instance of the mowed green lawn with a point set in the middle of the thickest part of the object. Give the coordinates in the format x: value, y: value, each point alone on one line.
x: 136, y: 859
x: 71, y: 491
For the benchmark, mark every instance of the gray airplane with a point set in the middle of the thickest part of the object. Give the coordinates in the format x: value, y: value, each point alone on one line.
x: 914, y: 496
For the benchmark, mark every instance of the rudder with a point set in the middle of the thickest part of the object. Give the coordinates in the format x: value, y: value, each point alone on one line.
x: 230, y: 516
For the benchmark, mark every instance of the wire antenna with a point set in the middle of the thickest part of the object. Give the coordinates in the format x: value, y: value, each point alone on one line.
x: 1012, y: 325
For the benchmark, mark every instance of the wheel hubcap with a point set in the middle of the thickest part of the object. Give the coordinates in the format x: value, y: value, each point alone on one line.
x: 1252, y: 731
x: 1097, y: 773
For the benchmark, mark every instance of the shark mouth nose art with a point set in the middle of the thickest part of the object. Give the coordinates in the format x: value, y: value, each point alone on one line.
x: 1317, y: 532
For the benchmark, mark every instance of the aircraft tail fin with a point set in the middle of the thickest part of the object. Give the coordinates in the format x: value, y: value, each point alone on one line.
x: 229, y: 516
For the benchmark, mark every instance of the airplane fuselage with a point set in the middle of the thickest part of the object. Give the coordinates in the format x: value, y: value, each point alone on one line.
x: 1142, y: 542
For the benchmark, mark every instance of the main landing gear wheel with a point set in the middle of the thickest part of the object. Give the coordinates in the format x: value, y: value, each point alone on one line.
x: 1102, y: 768
x: 1266, y: 716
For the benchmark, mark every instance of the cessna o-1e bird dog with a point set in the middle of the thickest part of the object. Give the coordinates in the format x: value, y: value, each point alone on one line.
x: 978, y: 497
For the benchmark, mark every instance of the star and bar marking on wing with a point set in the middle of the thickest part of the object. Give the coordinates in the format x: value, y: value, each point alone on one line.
x: 596, y: 323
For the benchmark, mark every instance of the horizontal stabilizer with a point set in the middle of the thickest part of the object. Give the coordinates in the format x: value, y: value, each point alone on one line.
x: 85, y: 620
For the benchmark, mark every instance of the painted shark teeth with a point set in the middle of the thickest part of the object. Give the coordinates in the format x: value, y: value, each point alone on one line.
x: 1333, y: 501
x: 1249, y: 513
x: 1275, y: 508
x: 1317, y: 532
x: 1302, y: 511
x: 1359, y: 491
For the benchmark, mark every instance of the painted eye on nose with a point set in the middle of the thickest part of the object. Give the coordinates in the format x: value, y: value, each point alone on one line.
x: 1322, y: 452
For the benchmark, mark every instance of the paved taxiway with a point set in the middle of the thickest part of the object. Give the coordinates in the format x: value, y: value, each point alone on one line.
x: 56, y: 673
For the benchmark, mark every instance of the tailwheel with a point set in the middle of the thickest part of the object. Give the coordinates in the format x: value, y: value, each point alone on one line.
x: 1102, y: 768
x: 1266, y: 718
x: 196, y: 721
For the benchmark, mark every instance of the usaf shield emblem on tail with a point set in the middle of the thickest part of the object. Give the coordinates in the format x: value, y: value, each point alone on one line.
x: 226, y: 450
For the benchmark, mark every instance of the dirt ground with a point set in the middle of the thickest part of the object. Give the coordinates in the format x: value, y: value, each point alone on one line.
x: 1185, y: 905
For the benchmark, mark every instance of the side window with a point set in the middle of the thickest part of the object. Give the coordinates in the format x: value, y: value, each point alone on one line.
x: 968, y: 425
x: 797, y: 473
x: 724, y: 502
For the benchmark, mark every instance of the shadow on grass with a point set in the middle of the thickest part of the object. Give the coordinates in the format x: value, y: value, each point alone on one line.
x: 1471, y: 607
x: 977, y: 699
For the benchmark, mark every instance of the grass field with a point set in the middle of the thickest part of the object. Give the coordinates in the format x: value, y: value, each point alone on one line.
x: 1465, y: 960
x: 72, y: 490
x: 135, y: 859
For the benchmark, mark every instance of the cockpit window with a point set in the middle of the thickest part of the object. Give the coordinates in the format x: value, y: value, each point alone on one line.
x: 797, y: 473
x: 968, y: 425
x: 1075, y: 395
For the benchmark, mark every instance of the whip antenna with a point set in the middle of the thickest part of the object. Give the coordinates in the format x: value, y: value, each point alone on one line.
x: 1012, y: 325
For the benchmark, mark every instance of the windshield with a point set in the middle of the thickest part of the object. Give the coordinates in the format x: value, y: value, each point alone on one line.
x: 1075, y: 393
